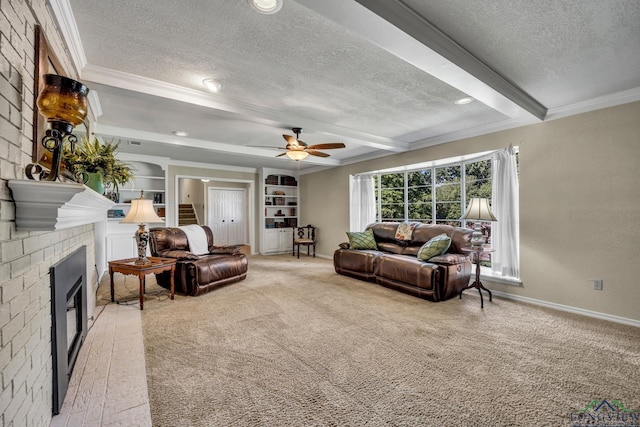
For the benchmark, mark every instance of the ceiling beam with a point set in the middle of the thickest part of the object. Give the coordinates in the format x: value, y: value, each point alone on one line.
x: 393, y: 26
x: 240, y: 150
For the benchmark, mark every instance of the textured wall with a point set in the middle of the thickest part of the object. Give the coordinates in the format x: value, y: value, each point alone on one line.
x: 25, y: 257
x: 579, y: 204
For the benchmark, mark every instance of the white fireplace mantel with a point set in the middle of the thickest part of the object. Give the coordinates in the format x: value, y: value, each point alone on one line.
x: 50, y: 206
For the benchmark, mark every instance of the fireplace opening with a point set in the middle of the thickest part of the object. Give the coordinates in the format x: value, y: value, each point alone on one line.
x: 68, y: 319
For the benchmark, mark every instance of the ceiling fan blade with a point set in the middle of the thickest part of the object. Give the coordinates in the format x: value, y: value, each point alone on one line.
x: 290, y: 140
x: 317, y: 153
x: 283, y: 154
x: 304, y: 144
x: 327, y: 146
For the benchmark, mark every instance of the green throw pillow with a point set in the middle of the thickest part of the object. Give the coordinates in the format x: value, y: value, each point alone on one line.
x: 362, y: 240
x: 434, y: 247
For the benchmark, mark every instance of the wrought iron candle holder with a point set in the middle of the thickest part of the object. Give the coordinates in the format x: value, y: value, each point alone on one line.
x: 63, y: 101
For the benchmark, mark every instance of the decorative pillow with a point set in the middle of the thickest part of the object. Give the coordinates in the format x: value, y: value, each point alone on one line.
x: 405, y: 230
x: 362, y: 240
x: 434, y: 247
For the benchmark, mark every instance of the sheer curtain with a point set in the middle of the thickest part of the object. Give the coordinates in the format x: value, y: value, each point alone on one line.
x: 362, y: 211
x: 505, y: 234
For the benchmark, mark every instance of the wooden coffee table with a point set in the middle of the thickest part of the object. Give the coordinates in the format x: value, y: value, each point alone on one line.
x: 155, y: 265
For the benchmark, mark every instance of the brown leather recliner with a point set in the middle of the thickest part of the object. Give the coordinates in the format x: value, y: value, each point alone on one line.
x: 196, y: 274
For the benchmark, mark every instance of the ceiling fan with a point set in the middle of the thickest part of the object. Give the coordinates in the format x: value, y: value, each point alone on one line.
x: 299, y: 150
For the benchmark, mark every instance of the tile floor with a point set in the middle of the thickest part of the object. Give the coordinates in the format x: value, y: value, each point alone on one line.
x: 108, y: 386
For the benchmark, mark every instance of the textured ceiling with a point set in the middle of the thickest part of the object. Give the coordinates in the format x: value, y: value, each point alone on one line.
x: 311, y: 66
x: 561, y: 52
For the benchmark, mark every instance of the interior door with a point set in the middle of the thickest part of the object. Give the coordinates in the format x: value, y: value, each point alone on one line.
x: 226, y: 211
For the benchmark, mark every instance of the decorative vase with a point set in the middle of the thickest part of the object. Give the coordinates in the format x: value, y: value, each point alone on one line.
x: 94, y: 181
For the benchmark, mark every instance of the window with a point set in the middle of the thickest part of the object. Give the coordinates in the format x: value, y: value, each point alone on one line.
x: 390, y: 197
x: 436, y: 195
x: 438, y: 192
x: 448, y: 203
x: 419, y: 198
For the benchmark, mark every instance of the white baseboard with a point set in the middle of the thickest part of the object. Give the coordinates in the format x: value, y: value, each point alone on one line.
x: 567, y: 308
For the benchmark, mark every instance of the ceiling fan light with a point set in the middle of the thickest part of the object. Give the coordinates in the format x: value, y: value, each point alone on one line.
x: 297, y: 155
x: 266, y: 7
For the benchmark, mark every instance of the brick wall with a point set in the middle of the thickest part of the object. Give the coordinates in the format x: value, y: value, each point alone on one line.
x: 25, y: 257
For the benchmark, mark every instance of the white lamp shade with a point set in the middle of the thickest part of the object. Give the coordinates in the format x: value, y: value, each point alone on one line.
x: 479, y: 210
x: 142, y: 211
x: 297, y: 155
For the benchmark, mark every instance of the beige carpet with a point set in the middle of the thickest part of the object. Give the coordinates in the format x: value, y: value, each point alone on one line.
x: 297, y: 345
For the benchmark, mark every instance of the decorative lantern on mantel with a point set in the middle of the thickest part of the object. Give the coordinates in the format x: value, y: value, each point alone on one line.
x: 63, y: 101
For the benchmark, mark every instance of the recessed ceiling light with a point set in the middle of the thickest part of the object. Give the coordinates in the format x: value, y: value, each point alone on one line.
x: 266, y: 7
x: 463, y: 101
x: 212, y: 84
x: 180, y: 133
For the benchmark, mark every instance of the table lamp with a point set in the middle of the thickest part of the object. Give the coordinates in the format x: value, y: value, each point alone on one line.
x: 142, y: 211
x: 478, y: 210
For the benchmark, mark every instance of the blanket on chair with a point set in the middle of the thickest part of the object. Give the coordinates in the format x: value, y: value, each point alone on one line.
x: 197, y: 239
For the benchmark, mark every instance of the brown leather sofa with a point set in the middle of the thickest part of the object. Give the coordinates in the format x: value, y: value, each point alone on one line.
x: 196, y: 274
x: 395, y: 263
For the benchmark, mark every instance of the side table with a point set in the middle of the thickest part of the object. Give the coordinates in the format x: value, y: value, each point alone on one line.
x: 477, y: 283
x: 155, y: 265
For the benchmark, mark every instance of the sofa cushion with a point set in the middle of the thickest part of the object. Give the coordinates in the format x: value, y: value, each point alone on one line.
x: 179, y: 255
x: 362, y: 240
x: 434, y: 247
x: 214, y: 268
x: 449, y: 259
x: 407, y: 270
x: 393, y: 248
x: 218, y: 250
x: 362, y: 261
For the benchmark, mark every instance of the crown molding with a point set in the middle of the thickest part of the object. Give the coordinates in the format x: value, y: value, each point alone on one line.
x: 67, y: 25
x: 598, y: 103
x: 250, y: 112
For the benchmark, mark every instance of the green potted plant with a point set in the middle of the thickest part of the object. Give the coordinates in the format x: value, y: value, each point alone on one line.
x: 97, y: 164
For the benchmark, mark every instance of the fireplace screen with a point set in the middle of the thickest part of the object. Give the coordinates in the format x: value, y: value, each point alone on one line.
x: 68, y: 319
